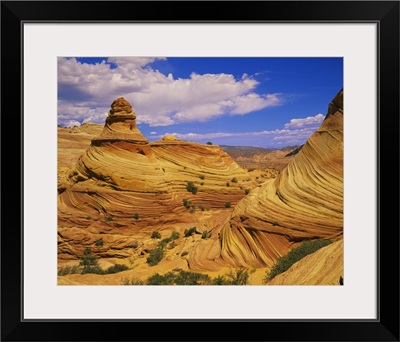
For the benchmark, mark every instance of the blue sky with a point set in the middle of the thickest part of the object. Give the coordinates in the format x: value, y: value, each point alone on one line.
x: 266, y: 102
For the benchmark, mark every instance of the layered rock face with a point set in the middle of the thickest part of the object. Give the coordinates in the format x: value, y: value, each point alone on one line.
x: 123, y: 185
x: 304, y: 202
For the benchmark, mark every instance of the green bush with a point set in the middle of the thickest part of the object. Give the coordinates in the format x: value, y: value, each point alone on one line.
x: 220, y: 280
x: 175, y: 235
x: 179, y: 278
x: 164, y: 242
x: 209, y: 143
x: 184, y: 253
x: 88, y: 217
x: 234, y: 180
x: 89, y: 263
x: 155, y: 235
x: 133, y: 281
x: 296, y: 254
x: 227, y: 204
x: 99, y: 243
x: 240, y: 277
x: 247, y: 191
x: 228, y: 184
x: 206, y: 234
x: 202, y: 207
x: 116, y: 268
x: 191, y: 188
x: 251, y: 169
x: 202, y: 177
x: 155, y: 256
x: 68, y: 270
x: 190, y: 231
x: 136, y: 216
x: 109, y: 218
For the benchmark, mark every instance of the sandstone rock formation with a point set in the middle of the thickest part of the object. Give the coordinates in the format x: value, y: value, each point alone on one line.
x: 304, y: 202
x: 324, y: 267
x: 123, y: 186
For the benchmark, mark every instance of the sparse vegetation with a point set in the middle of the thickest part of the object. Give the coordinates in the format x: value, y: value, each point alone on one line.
x: 155, y: 235
x: 234, y: 180
x: 109, y: 218
x: 206, y: 234
x: 133, y: 281
x: 227, y: 204
x: 175, y: 235
x: 68, y: 270
x: 99, y: 243
x: 202, y: 177
x: 250, y: 169
x: 193, y: 210
x: 190, y: 232
x: 202, y: 183
x: 296, y: 254
x: 188, y: 204
x: 228, y: 184
x: 202, y: 208
x: 116, y: 268
x: 191, y: 188
x: 247, y: 191
x: 155, y: 256
x: 240, y: 277
x: 184, y: 253
x: 136, y: 216
x: 209, y: 143
x: 90, y: 263
x: 88, y: 217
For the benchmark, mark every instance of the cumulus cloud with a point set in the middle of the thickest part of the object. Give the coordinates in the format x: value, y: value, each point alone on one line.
x: 311, y: 120
x: 269, y: 138
x: 87, y: 90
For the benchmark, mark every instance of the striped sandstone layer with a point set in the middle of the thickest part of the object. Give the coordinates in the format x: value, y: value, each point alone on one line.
x: 304, y: 202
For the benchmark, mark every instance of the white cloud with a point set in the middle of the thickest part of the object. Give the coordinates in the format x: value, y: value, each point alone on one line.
x: 87, y: 91
x: 311, y: 120
x: 271, y: 138
x: 153, y: 133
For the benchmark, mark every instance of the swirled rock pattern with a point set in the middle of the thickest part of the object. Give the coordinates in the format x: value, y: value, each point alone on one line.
x: 123, y: 185
x: 304, y: 202
x: 324, y: 267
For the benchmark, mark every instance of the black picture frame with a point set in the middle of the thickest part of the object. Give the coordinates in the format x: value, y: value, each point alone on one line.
x: 15, y: 13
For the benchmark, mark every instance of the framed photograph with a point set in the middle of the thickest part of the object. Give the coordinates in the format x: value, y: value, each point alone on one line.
x: 176, y: 166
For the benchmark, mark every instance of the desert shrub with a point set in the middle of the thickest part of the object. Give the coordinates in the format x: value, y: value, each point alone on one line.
x: 191, y: 188
x: 109, y: 218
x: 193, y: 210
x: 247, y: 191
x: 155, y: 256
x: 134, y: 244
x: 158, y: 279
x: 202, y: 183
x: 179, y: 278
x: 68, y: 270
x: 202, y: 177
x: 136, y: 216
x: 209, y: 143
x: 240, y: 277
x: 206, y: 234
x: 220, y: 280
x: 99, y: 243
x: 133, y: 281
x: 202, y: 207
x: 251, y: 169
x: 88, y: 217
x: 90, y: 263
x: 116, y: 268
x: 190, y: 231
x: 184, y: 253
x: 155, y: 235
x: 296, y: 254
x: 227, y: 204
x: 175, y: 235
x: 234, y: 180
x: 228, y: 184
x: 164, y: 242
